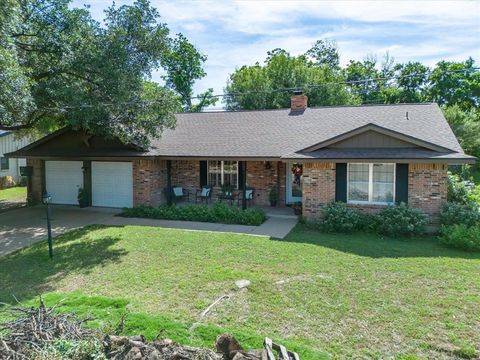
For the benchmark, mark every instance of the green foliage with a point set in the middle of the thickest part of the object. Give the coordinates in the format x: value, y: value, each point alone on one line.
x: 400, y: 220
x: 91, y: 349
x: 461, y: 236
x: 466, y: 126
x: 258, y: 87
x: 60, y: 67
x: 218, y: 213
x: 459, y: 190
x: 453, y: 213
x: 184, y: 65
x: 337, y: 217
x: 273, y: 196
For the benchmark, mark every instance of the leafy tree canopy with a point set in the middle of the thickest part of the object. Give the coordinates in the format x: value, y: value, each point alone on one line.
x: 59, y: 67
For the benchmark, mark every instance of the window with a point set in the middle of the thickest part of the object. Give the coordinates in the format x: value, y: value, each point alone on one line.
x: 4, y: 165
x: 223, y: 173
x: 371, y: 183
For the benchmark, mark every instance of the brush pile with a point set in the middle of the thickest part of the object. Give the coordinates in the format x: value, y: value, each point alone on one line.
x: 33, y: 327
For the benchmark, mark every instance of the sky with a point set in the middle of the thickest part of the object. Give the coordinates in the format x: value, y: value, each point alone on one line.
x: 236, y: 33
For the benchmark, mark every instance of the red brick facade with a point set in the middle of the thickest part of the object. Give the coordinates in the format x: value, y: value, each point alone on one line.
x: 34, y: 196
x: 318, y: 187
x: 149, y: 180
x: 262, y: 176
x: 427, y: 188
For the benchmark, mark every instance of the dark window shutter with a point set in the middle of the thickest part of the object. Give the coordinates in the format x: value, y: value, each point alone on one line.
x: 241, y: 172
x: 401, y: 183
x: 203, y: 173
x: 341, y: 182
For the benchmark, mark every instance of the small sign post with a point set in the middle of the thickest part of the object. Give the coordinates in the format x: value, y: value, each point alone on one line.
x: 46, y: 200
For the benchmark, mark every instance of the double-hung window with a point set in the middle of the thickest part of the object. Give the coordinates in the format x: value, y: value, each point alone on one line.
x: 371, y: 183
x: 223, y: 173
x: 4, y: 165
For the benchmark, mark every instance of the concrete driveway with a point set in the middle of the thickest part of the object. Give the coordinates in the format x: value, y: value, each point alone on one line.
x: 23, y: 227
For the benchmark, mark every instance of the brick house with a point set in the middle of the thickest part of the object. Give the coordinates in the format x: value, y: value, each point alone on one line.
x: 366, y: 156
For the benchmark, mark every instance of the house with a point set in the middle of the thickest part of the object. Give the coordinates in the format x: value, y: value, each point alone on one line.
x: 367, y: 156
x: 8, y: 143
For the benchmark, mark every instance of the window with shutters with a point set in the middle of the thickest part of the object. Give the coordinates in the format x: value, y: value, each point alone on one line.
x: 223, y: 173
x: 371, y: 183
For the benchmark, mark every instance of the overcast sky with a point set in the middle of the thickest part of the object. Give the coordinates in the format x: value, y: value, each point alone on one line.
x: 234, y: 33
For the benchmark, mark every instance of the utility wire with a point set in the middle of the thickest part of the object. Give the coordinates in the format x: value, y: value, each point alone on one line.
x: 304, y: 87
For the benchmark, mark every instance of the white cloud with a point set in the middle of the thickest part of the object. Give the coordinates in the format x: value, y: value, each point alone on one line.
x: 237, y: 33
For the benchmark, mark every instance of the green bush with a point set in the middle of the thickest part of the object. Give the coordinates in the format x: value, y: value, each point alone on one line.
x: 218, y: 213
x: 460, y: 190
x: 400, y: 220
x: 455, y: 213
x: 461, y: 236
x: 337, y: 217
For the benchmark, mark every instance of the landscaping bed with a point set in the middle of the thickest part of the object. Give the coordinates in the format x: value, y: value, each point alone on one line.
x: 218, y: 213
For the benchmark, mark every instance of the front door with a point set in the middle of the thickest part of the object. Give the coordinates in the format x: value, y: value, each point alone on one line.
x: 294, y: 182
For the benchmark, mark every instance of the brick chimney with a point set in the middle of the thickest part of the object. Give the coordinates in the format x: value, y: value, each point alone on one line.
x: 298, y: 101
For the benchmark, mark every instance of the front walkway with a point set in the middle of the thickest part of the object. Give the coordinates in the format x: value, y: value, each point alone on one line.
x: 23, y: 227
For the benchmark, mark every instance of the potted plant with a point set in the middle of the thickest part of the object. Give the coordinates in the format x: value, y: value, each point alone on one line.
x: 297, y: 208
x: 83, y: 200
x: 227, y: 189
x: 273, y: 197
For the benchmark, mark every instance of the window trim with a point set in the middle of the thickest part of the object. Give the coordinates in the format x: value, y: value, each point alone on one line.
x: 222, y: 173
x: 8, y: 163
x: 370, y: 185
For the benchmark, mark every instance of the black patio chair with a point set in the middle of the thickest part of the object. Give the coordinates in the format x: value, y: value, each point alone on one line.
x: 249, y: 196
x: 204, y: 194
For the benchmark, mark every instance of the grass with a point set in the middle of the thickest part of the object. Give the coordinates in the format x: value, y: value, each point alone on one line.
x: 14, y: 194
x: 344, y: 295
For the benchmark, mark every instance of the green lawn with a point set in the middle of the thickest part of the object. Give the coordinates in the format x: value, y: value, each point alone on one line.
x: 14, y: 194
x: 344, y: 295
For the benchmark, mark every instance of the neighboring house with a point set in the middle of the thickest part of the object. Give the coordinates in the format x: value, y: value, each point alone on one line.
x: 366, y: 156
x: 8, y: 143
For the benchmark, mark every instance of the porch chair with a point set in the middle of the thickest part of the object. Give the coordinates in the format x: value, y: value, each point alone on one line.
x: 205, y: 193
x: 177, y: 193
x: 249, y: 196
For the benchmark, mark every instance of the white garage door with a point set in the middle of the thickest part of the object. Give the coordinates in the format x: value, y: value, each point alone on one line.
x: 62, y: 180
x: 112, y: 184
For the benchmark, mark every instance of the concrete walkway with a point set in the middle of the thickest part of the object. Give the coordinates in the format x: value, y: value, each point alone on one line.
x: 22, y: 227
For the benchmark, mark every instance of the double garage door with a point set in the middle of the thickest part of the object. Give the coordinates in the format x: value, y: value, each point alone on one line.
x: 112, y: 182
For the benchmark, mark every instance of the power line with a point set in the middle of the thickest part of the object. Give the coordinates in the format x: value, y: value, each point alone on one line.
x: 256, y: 92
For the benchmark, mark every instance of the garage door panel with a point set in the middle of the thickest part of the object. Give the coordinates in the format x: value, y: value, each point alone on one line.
x: 62, y: 181
x: 112, y: 184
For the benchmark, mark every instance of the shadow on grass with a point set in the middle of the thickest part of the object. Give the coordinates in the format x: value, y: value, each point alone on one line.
x: 29, y: 272
x: 376, y: 246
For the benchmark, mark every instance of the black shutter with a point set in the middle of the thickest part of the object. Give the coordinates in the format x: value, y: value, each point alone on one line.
x: 341, y: 182
x: 203, y: 173
x: 241, y: 171
x: 401, y: 183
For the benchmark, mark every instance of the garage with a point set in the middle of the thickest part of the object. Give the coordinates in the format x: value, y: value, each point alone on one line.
x: 112, y: 184
x: 62, y: 181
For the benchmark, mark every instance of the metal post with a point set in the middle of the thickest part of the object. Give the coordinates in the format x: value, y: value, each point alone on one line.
x: 49, y: 229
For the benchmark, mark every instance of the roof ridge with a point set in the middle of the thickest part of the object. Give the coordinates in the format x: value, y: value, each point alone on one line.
x: 310, y: 107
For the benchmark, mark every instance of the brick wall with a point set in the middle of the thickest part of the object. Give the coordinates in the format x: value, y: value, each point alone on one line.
x: 34, y: 191
x: 264, y: 179
x: 427, y: 188
x: 318, y: 187
x: 149, y: 180
x: 186, y: 173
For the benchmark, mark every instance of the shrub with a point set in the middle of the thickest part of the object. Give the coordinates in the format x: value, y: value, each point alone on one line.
x: 221, y: 213
x: 460, y: 190
x: 461, y: 236
x: 455, y: 213
x: 337, y: 217
x: 400, y: 220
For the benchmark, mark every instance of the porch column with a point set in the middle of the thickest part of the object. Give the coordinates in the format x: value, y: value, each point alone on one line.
x: 169, y: 182
x: 278, y: 183
x: 243, y: 183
